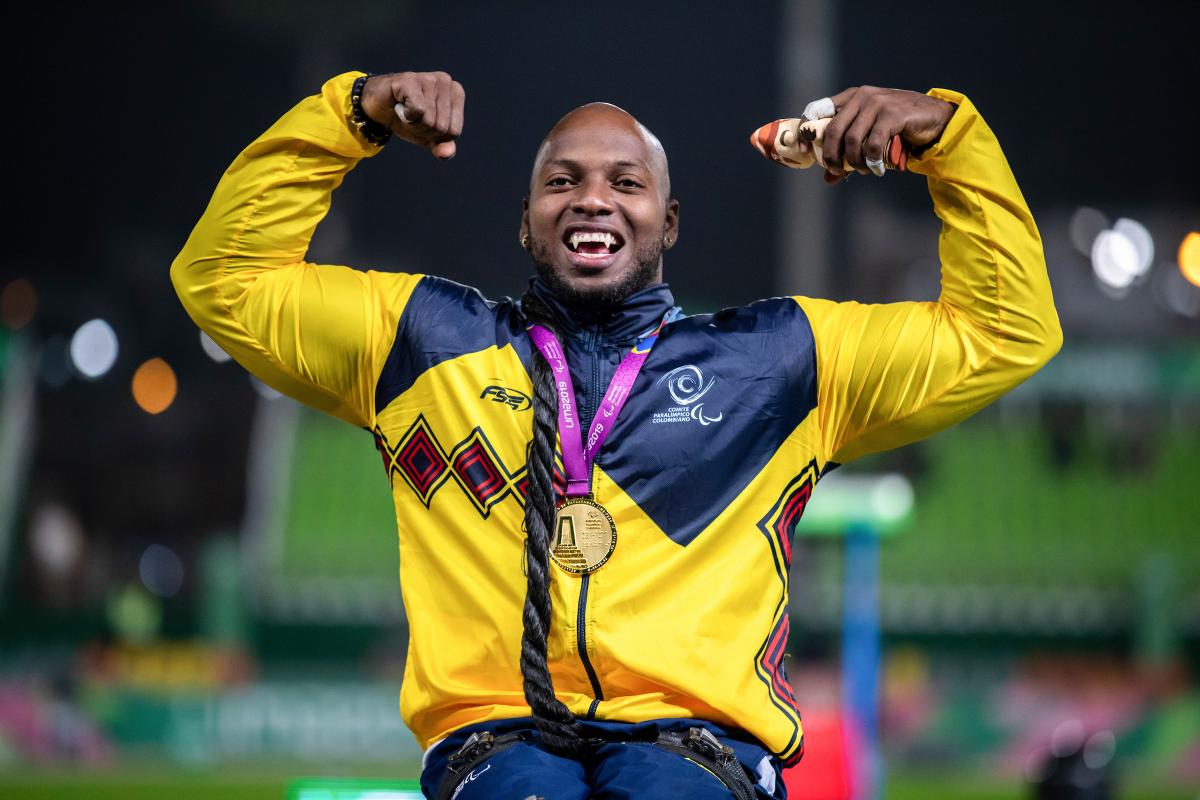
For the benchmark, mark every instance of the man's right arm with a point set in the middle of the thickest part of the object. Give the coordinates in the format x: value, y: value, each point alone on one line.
x: 316, y: 332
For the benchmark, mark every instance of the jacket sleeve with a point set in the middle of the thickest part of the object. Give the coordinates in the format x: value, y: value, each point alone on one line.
x: 890, y: 374
x: 316, y: 332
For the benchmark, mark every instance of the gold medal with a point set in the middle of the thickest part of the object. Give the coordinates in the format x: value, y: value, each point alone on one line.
x: 584, y: 536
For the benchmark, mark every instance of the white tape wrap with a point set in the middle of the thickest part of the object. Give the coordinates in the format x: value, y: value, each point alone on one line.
x: 819, y: 109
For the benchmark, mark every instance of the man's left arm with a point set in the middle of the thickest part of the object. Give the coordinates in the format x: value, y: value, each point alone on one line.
x: 889, y: 374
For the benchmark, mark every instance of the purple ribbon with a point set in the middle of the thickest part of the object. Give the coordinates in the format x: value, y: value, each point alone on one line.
x: 578, y: 455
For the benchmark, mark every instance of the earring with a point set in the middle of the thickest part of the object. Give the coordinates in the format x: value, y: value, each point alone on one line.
x: 525, y: 241
x: 666, y: 241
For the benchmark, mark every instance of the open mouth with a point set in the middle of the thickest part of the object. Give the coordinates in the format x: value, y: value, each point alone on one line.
x: 593, y: 243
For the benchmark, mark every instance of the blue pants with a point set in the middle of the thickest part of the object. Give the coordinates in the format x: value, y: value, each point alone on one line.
x: 629, y: 766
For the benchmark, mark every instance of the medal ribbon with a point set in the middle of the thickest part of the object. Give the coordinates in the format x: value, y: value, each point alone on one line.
x: 578, y: 456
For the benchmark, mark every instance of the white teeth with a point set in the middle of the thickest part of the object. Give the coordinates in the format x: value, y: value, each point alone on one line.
x: 592, y: 236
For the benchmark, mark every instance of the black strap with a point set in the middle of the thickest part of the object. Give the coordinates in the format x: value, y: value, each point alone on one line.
x: 479, y: 747
x: 698, y: 744
x: 701, y: 746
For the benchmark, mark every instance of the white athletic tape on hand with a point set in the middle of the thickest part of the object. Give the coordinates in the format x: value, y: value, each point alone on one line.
x: 819, y: 109
x: 400, y: 113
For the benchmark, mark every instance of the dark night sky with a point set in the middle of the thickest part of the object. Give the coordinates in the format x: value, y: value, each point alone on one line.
x: 139, y: 115
x: 126, y: 120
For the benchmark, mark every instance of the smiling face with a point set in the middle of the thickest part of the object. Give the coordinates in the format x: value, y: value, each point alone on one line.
x: 598, y: 215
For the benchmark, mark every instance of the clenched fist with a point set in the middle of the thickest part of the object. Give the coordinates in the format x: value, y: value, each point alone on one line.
x: 431, y: 103
x: 866, y: 117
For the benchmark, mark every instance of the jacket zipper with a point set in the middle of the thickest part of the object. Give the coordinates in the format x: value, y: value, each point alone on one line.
x: 581, y: 616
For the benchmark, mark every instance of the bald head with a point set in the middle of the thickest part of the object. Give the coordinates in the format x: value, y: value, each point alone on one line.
x: 599, y: 174
x: 605, y: 120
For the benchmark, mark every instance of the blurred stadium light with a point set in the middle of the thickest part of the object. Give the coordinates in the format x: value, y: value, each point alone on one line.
x: 1086, y: 224
x: 1122, y: 256
x: 154, y: 386
x: 94, y: 348
x: 161, y: 570
x: 1189, y: 258
x: 18, y: 303
x: 212, y: 349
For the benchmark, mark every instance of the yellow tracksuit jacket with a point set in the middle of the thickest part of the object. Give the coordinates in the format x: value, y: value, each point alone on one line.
x: 731, y: 422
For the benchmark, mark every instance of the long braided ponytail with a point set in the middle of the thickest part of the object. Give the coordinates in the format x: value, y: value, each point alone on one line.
x: 558, y: 726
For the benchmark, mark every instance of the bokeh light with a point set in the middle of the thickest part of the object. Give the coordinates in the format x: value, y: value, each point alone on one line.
x: 212, y: 349
x: 1189, y: 258
x: 94, y: 349
x: 56, y: 539
x: 154, y: 386
x: 1086, y: 224
x: 1173, y: 292
x: 1067, y: 737
x: 1100, y: 749
x: 18, y: 303
x: 892, y: 497
x: 134, y: 615
x: 1115, y: 261
x: 264, y: 391
x: 1143, y: 242
x: 53, y: 362
x: 161, y: 570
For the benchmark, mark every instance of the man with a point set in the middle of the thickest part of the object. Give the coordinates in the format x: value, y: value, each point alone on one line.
x: 648, y: 663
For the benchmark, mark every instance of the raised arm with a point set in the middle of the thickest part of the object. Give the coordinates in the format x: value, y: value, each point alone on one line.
x: 893, y: 373
x: 316, y: 332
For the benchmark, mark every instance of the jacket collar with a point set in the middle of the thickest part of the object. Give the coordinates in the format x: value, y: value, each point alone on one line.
x: 637, y: 316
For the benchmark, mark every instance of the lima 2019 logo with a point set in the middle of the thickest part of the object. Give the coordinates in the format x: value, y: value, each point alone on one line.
x: 687, y: 386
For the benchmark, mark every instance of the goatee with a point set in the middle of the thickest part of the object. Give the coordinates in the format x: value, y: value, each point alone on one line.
x: 603, y: 301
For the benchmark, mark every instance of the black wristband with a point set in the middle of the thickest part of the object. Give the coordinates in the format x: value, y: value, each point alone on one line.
x: 371, y: 130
